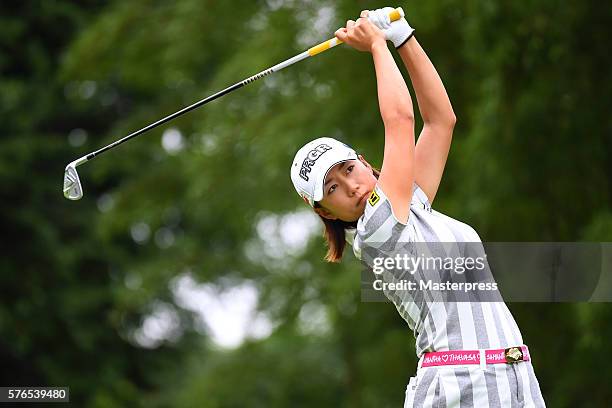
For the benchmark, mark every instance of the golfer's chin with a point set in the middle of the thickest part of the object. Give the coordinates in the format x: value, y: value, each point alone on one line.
x: 353, y: 216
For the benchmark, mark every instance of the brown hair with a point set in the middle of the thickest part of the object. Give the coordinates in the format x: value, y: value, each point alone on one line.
x: 334, y: 232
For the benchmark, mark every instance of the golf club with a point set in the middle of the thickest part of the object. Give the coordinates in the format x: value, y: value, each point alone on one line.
x: 72, y: 184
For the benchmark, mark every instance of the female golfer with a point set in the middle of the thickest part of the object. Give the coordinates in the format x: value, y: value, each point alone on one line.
x: 471, y: 353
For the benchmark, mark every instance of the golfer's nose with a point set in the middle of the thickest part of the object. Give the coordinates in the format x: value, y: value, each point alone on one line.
x: 354, y: 189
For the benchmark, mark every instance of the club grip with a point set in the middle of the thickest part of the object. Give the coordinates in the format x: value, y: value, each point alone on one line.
x: 396, y: 14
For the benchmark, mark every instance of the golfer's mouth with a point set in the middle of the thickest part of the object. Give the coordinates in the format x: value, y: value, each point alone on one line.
x: 362, y: 198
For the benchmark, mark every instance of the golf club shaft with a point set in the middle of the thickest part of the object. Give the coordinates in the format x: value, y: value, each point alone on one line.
x: 396, y: 14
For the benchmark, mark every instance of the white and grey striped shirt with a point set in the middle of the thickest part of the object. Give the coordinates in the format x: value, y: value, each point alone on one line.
x: 437, y: 326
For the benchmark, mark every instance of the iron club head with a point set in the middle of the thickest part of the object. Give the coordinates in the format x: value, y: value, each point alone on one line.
x: 72, y: 184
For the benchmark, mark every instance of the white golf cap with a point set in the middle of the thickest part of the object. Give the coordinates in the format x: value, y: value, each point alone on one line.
x: 313, y: 161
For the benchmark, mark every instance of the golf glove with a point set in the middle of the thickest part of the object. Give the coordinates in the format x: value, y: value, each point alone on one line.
x: 398, y: 32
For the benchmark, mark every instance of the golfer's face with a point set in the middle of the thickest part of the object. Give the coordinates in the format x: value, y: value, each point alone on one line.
x: 347, y: 188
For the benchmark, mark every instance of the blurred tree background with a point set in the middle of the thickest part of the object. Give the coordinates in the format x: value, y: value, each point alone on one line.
x: 105, y: 295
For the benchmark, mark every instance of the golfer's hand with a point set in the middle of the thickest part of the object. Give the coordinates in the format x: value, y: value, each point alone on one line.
x: 361, y: 34
x: 398, y: 32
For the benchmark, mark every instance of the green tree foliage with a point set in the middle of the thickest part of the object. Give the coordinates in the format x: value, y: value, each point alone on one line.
x: 209, y: 195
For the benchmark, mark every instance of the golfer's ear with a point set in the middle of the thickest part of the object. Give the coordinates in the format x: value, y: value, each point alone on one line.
x: 325, y: 214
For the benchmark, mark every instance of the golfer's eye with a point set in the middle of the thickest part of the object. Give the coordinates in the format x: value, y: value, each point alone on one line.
x: 349, y: 168
x: 332, y: 188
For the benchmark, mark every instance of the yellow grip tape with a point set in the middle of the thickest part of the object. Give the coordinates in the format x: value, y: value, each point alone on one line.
x: 396, y: 14
x: 325, y: 45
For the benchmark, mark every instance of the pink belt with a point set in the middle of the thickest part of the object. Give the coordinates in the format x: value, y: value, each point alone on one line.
x: 476, y: 357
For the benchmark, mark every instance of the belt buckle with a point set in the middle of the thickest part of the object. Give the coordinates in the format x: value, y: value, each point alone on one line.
x: 513, y: 355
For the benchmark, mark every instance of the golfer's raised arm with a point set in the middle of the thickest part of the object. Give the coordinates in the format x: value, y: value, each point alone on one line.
x: 439, y: 119
x: 398, y: 168
x: 397, y: 173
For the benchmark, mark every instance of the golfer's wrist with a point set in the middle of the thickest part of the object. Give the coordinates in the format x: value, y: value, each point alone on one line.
x: 405, y: 41
x: 378, y: 45
x: 409, y: 48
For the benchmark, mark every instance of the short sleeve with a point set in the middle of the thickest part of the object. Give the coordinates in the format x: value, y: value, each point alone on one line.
x: 379, y: 226
x: 419, y: 197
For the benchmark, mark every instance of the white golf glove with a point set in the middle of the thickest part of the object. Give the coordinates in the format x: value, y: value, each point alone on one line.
x: 398, y: 32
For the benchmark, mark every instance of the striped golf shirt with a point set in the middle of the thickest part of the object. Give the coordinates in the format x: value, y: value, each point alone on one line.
x: 445, y: 325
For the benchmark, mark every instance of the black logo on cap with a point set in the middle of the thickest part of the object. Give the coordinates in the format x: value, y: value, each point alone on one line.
x: 310, y: 159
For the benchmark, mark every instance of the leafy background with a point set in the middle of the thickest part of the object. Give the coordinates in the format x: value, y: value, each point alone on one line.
x: 90, y: 290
